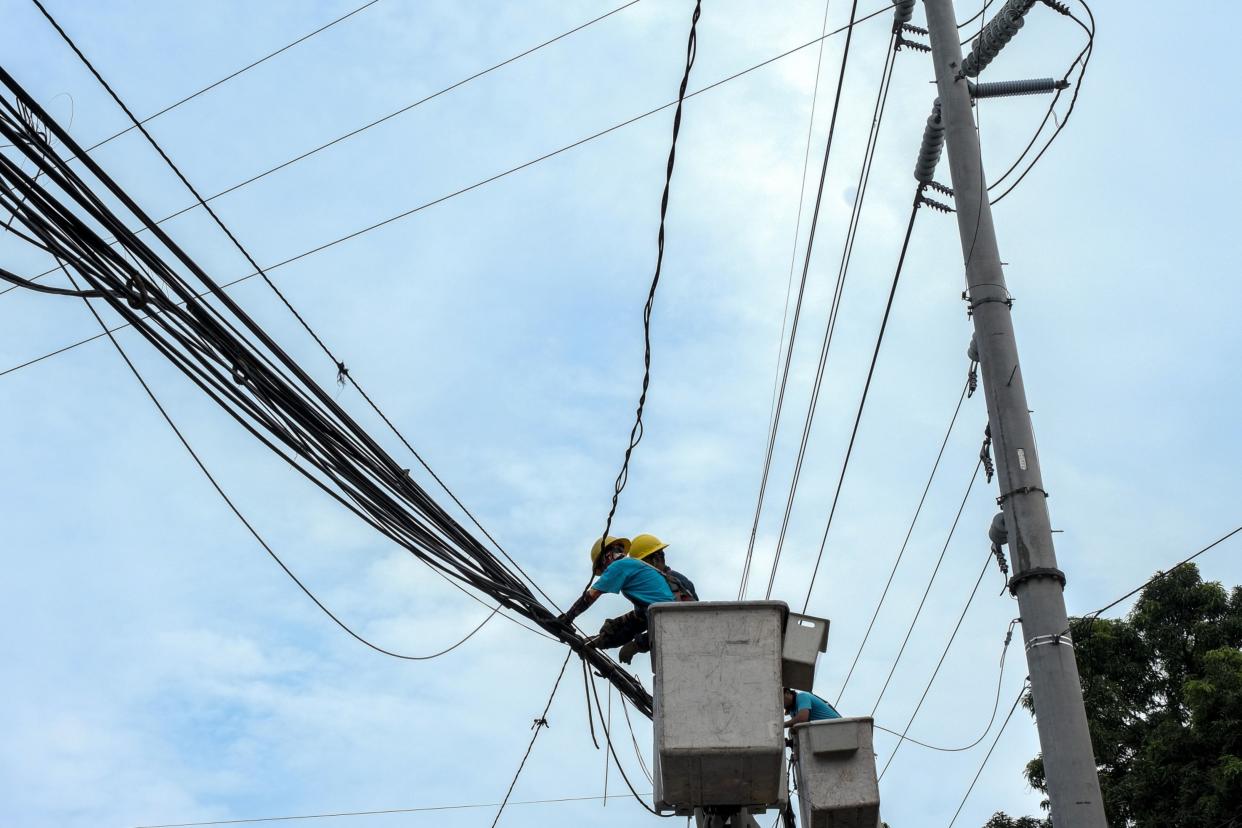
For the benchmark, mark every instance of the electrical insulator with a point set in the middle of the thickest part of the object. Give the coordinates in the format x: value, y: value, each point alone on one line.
x: 997, y: 533
x: 903, y: 10
x: 933, y: 144
x: 999, y: 31
x: 1000, y: 89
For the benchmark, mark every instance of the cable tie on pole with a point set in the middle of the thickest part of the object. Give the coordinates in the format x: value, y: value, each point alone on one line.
x: 1000, y: 501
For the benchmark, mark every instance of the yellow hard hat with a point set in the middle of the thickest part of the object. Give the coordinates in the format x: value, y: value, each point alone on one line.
x: 644, y: 546
x: 596, y: 549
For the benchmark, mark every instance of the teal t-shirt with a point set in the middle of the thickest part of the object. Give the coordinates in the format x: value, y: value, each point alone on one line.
x: 819, y: 708
x: 642, y: 584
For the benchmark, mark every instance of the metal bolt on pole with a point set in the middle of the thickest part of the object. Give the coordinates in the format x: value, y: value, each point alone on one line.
x: 1069, y: 761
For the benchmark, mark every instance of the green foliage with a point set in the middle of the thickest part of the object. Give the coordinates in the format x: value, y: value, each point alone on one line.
x: 1163, y: 691
x: 1001, y: 820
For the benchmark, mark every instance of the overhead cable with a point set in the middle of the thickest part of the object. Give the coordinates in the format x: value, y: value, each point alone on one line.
x: 538, y: 726
x: 383, y: 812
x: 904, y: 543
x: 636, y: 431
x: 936, y: 672
x: 988, y: 755
x: 780, y: 342
x: 974, y: 475
x: 221, y: 349
x: 233, y: 75
x: 862, y: 402
x: 432, y: 203
x: 359, y: 130
x: 847, y: 254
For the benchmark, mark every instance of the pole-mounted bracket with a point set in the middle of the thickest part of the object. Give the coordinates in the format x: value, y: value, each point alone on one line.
x: 1036, y: 572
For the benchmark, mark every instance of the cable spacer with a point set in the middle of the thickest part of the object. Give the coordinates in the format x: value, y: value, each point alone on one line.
x: 1000, y: 501
x: 1035, y: 572
x: 239, y: 375
x: 1055, y: 639
x: 136, y: 295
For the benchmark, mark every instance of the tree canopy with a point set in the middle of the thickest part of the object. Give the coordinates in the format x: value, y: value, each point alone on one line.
x: 1163, y: 692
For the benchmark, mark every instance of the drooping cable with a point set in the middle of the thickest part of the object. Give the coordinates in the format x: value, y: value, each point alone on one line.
x: 904, y: 543
x: 847, y: 253
x: 988, y: 755
x: 793, y: 260
x: 359, y: 130
x: 862, y: 403
x: 240, y: 367
x: 319, y: 248
x: 636, y: 431
x: 987, y: 561
x: 537, y: 727
x: 342, y: 371
x: 234, y: 74
x: 974, y: 475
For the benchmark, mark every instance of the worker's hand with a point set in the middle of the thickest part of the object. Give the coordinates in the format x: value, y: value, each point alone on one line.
x: 626, y: 653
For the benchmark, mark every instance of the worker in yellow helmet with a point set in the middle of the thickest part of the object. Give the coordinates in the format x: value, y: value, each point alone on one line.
x: 643, y: 585
x: 650, y: 550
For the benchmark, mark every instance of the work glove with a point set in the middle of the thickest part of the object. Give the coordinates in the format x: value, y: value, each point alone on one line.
x: 626, y: 653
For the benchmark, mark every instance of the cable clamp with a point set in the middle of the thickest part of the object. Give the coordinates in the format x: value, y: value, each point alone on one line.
x: 1000, y: 501
x: 1054, y: 639
x: 972, y: 303
x: 1035, y: 572
x: 341, y: 373
x: 541, y: 722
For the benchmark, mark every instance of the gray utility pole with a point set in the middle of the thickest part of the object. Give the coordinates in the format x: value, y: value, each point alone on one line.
x: 1069, y: 762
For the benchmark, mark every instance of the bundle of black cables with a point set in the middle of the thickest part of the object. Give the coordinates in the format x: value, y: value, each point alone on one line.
x: 163, y: 293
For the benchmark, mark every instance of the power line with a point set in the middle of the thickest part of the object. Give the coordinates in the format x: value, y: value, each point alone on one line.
x: 862, y: 403
x: 847, y: 254
x: 223, y: 351
x: 904, y: 543
x: 793, y: 259
x: 232, y: 75
x: 1166, y: 573
x: 249, y: 526
x: 988, y: 756
x: 974, y: 475
x: 405, y: 214
x: 636, y: 431
x: 343, y: 373
x: 537, y: 727
x: 384, y: 812
x: 987, y: 561
x: 359, y: 130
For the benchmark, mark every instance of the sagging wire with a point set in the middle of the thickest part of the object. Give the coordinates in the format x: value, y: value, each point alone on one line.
x: 255, y: 382
x: 538, y: 726
x: 636, y: 432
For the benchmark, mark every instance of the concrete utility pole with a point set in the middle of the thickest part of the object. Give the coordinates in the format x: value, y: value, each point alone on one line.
x: 1069, y: 761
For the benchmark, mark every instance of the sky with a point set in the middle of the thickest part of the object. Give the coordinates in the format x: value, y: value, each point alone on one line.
x: 161, y: 669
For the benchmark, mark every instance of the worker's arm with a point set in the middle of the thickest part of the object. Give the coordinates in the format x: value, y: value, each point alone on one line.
x: 581, y: 605
x: 798, y: 718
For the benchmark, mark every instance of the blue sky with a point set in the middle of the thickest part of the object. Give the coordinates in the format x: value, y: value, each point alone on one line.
x: 161, y: 669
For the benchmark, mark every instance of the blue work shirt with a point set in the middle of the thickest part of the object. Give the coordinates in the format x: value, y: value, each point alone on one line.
x: 819, y: 708
x: 644, y: 585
